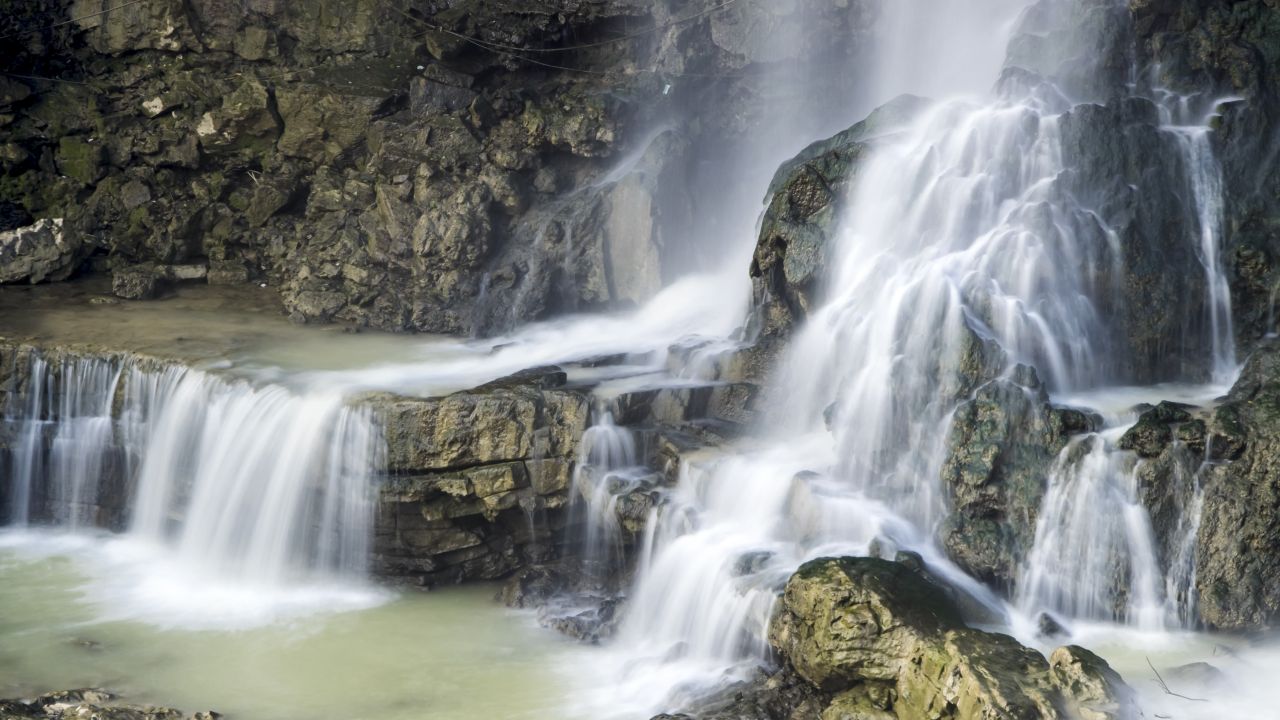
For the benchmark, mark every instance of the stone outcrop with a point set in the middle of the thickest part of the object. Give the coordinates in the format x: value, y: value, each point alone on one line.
x: 806, y: 199
x: 882, y: 642
x: 37, y: 253
x: 1238, y: 545
x: 477, y: 481
x: 1002, y: 444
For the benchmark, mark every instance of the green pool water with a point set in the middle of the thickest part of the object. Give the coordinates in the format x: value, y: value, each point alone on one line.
x: 446, y: 655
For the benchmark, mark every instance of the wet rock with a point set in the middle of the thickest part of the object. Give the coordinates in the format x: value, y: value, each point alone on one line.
x: 588, y: 626
x: 1238, y: 545
x: 532, y: 587
x: 1093, y: 690
x: 1001, y: 446
x: 805, y: 200
x: 138, y: 282
x: 1047, y: 626
x: 38, y: 252
x: 1197, y: 674
x: 1155, y: 429
x: 865, y: 626
x: 90, y: 704
x: 478, y: 482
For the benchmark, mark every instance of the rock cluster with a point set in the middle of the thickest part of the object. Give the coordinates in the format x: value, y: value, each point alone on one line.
x: 90, y: 703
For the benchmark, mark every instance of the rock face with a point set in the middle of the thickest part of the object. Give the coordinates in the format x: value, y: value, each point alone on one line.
x: 477, y: 481
x: 372, y: 163
x: 883, y: 643
x: 1230, y: 53
x: 1238, y: 546
x: 1002, y: 445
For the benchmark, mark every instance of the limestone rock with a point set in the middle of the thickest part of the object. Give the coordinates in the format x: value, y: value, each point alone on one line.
x: 90, y: 704
x: 806, y: 196
x: 38, y: 252
x: 890, y: 644
x: 1002, y: 444
x: 1094, y: 690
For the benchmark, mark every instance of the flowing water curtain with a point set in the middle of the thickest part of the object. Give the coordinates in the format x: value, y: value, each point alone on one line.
x: 986, y: 234
x: 608, y: 468
x: 25, y: 414
x: 257, y: 483
x: 269, y: 484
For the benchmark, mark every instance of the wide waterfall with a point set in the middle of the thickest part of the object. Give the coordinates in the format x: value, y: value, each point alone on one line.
x: 244, y: 482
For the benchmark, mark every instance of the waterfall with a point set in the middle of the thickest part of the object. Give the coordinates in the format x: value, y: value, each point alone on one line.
x: 259, y: 484
x: 1205, y: 179
x: 1089, y: 563
x: 25, y: 462
x: 608, y: 467
x: 971, y: 245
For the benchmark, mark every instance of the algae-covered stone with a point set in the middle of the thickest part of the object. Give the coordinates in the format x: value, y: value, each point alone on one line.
x: 850, y: 619
x: 806, y: 197
x: 854, y: 625
x: 1001, y: 446
x: 81, y: 159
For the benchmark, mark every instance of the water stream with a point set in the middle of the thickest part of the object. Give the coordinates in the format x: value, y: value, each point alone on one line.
x: 967, y: 258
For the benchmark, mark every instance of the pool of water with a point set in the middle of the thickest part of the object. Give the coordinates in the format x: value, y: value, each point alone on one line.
x: 447, y: 655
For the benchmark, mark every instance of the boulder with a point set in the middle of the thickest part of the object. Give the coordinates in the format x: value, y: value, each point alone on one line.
x: 805, y: 201
x: 1001, y: 446
x: 136, y: 282
x: 38, y: 252
x: 887, y: 643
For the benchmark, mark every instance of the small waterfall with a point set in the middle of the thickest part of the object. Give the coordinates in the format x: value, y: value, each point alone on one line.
x: 1205, y: 178
x: 1094, y: 555
x: 259, y: 484
x: 608, y: 467
x: 83, y: 438
x: 26, y: 420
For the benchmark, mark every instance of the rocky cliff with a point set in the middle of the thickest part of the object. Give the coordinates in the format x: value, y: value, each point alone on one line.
x: 455, y: 167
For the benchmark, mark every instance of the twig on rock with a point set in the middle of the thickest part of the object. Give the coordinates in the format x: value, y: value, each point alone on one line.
x: 1164, y: 686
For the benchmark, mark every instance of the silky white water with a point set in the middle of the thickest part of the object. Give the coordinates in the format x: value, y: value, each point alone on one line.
x: 963, y: 254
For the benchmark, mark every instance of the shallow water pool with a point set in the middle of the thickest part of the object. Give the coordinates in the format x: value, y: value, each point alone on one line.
x: 447, y: 655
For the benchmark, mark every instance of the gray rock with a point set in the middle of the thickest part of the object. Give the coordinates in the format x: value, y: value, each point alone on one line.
x: 37, y: 253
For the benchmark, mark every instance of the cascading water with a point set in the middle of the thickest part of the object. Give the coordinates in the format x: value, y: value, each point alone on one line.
x: 966, y: 250
x: 258, y: 485
x: 608, y: 467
